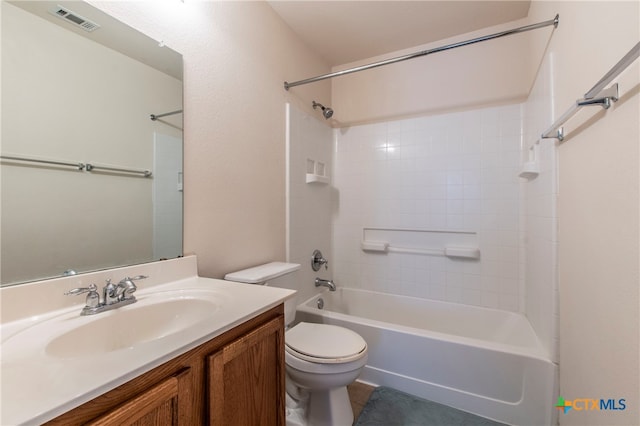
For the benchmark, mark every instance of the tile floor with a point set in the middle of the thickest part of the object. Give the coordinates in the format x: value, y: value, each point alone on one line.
x: 359, y: 395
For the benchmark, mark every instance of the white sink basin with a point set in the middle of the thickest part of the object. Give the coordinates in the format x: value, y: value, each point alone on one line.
x: 153, y: 317
x: 130, y: 327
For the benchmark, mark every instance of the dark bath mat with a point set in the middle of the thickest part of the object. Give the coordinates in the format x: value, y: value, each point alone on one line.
x: 389, y: 407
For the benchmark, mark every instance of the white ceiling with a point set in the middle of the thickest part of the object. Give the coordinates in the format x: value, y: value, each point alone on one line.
x: 347, y: 31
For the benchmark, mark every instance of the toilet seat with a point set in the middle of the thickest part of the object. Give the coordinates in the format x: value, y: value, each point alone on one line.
x: 324, y: 343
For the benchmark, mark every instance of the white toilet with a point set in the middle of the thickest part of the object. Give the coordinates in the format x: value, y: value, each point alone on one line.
x: 321, y: 359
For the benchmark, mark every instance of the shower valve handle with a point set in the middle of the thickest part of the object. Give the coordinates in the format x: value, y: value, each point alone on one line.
x: 317, y: 260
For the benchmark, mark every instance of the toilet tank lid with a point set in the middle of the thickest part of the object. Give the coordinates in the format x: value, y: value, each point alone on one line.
x: 262, y: 273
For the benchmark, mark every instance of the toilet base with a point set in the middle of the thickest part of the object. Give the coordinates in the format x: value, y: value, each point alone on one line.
x: 295, y: 417
x: 322, y: 408
x: 330, y: 408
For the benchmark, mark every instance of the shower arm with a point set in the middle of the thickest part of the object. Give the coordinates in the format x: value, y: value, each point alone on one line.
x: 553, y: 22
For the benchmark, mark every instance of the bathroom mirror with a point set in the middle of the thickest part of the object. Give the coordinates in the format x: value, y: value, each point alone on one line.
x: 78, y: 92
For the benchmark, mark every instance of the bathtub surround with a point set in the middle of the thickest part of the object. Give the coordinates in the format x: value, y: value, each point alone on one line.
x: 451, y: 172
x: 308, y: 203
x: 539, y: 214
x: 442, y: 180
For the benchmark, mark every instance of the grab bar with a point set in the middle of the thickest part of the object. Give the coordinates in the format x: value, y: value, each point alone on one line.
x: 449, y: 243
x: 448, y: 251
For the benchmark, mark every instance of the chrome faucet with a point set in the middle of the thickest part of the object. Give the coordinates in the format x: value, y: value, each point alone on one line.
x: 109, y: 296
x: 325, y: 283
x: 113, y: 296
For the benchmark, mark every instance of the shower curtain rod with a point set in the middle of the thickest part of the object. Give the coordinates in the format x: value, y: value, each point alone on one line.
x: 553, y: 22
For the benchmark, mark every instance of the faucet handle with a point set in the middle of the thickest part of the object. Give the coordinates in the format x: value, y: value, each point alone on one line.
x: 93, y: 298
x: 81, y: 290
x: 126, y: 287
x: 136, y: 278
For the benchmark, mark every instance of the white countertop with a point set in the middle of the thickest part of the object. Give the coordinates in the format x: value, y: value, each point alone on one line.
x: 37, y: 387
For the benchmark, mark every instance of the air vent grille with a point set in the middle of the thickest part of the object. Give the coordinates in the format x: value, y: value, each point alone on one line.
x: 74, y: 18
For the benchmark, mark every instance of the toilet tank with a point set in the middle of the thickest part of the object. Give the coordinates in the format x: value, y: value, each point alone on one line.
x: 277, y: 274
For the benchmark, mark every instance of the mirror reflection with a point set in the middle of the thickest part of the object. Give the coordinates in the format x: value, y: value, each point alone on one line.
x: 106, y: 187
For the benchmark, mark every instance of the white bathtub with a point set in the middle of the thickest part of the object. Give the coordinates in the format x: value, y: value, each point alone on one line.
x: 483, y: 361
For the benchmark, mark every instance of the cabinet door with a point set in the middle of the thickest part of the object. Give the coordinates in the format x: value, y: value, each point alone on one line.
x: 246, y: 379
x: 166, y: 403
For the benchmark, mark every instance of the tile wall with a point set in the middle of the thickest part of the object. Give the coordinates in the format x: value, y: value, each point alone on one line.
x: 456, y: 171
x: 309, y: 204
x: 540, y: 216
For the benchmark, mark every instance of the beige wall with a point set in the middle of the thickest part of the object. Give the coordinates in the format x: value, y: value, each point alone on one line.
x: 57, y: 218
x: 236, y: 57
x: 598, y: 209
x: 489, y: 73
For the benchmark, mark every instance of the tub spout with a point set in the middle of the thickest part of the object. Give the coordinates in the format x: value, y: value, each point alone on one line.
x: 325, y: 283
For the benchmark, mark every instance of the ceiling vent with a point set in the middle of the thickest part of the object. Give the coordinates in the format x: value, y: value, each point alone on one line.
x: 74, y: 18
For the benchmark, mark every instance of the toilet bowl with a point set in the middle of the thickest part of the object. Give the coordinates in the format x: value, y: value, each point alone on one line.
x: 320, y: 359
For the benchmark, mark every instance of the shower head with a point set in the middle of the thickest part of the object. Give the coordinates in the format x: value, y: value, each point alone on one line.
x: 326, y: 111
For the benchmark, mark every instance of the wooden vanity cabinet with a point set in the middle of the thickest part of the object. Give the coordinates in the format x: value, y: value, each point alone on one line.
x: 236, y: 378
x: 166, y: 403
x: 244, y: 387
